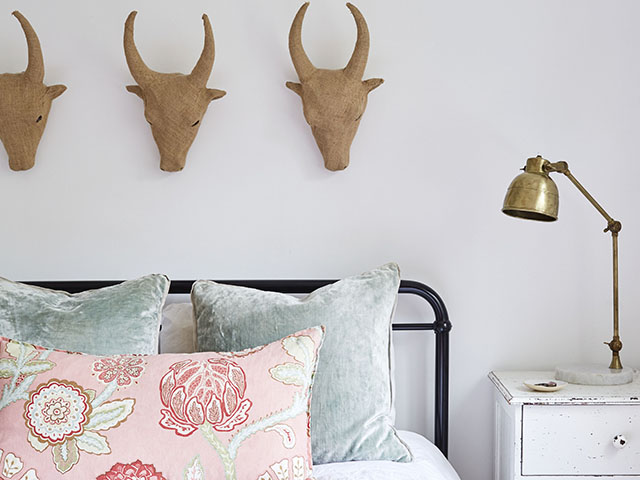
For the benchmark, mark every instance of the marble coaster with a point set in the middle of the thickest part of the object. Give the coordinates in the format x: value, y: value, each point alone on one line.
x: 593, y: 375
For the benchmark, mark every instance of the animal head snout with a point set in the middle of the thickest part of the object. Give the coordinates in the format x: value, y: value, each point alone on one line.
x: 21, y: 160
x: 20, y: 139
x: 172, y: 164
x: 334, y: 147
x: 173, y: 145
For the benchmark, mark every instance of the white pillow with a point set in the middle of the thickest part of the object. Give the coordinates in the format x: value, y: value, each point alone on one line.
x: 178, y: 334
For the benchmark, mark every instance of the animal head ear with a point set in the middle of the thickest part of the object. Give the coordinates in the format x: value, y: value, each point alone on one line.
x: 54, y: 91
x: 135, y: 89
x: 215, y: 94
x: 296, y: 87
x: 373, y: 83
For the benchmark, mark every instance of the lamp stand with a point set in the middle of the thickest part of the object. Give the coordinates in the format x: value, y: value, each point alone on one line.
x: 593, y: 374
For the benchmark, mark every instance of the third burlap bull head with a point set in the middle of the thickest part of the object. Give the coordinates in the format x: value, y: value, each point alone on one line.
x: 333, y: 100
x: 174, y: 104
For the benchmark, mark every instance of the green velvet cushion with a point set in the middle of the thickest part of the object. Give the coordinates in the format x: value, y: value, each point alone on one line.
x: 351, y: 413
x: 121, y: 319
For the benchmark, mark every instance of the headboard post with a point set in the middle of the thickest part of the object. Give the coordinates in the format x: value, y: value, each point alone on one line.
x: 441, y: 326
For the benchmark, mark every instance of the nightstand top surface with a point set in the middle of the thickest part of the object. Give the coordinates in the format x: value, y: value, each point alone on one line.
x: 510, y: 385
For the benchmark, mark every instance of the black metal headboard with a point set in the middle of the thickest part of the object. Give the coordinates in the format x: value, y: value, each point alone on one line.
x: 440, y: 326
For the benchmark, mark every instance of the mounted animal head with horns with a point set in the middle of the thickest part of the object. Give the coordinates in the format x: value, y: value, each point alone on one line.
x: 25, y: 103
x: 333, y: 101
x: 174, y: 104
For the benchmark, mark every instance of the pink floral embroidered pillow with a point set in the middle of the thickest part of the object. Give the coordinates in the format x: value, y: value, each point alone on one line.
x: 199, y: 416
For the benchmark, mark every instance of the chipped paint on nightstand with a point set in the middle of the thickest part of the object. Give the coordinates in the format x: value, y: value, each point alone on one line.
x: 511, y: 385
x: 576, y: 433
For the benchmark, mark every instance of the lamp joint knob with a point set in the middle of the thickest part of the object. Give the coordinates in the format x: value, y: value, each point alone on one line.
x: 615, y: 345
x: 613, y: 226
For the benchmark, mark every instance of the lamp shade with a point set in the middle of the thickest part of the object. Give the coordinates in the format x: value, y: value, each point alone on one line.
x: 533, y: 194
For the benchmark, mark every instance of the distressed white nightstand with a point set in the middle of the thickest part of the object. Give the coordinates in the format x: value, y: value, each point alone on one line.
x: 577, y: 433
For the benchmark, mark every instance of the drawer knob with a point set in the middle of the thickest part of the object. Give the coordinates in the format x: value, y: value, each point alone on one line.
x: 619, y: 441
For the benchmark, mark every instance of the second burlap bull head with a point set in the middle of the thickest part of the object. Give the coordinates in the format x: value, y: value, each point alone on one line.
x: 174, y: 103
x: 333, y: 101
x: 25, y: 103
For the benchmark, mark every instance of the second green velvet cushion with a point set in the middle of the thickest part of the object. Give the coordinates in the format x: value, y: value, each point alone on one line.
x: 351, y: 410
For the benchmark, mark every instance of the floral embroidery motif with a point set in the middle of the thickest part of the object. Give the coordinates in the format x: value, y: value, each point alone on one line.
x: 56, y: 411
x: 182, y: 374
x: 196, y: 392
x: 194, y: 470
x: 24, y: 363
x: 121, y: 369
x: 62, y: 415
x: 281, y: 469
x: 12, y: 466
x: 286, y: 432
x: 286, y: 470
x: 132, y: 471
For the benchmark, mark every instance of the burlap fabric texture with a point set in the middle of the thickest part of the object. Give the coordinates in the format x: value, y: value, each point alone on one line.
x: 174, y: 103
x: 333, y: 101
x: 25, y: 103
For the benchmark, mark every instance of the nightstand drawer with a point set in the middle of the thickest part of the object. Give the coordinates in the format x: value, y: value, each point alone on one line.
x: 579, y: 440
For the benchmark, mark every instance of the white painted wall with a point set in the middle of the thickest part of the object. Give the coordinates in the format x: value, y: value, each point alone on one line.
x: 472, y: 89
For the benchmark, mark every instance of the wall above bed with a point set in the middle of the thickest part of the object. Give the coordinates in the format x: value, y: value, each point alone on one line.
x: 471, y: 90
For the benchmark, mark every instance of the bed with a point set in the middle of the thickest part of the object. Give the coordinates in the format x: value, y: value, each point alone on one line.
x: 429, y: 458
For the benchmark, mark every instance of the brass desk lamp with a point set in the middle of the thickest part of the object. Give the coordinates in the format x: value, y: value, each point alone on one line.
x: 533, y: 195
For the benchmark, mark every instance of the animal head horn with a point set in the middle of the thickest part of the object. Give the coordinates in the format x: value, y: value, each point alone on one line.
x: 302, y: 64
x: 35, y: 67
x: 201, y: 72
x: 139, y: 70
x: 358, y: 62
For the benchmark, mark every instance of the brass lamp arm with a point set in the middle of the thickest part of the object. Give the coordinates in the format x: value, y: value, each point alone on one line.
x: 613, y: 226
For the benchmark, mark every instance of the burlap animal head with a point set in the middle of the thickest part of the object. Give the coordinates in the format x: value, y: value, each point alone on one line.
x: 174, y: 104
x: 333, y: 100
x: 24, y: 104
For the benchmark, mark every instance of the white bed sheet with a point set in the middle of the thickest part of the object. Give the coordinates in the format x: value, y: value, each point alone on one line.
x: 428, y: 464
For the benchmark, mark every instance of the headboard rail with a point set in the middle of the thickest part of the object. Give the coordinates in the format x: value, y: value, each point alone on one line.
x: 440, y: 326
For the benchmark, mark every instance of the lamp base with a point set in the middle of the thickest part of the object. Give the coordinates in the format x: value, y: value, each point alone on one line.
x: 594, y: 375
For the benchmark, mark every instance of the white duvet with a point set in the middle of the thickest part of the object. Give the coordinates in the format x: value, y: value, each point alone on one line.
x: 428, y: 464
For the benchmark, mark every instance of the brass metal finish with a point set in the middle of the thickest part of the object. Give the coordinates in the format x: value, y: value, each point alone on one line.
x: 534, y: 196
x: 615, y: 345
